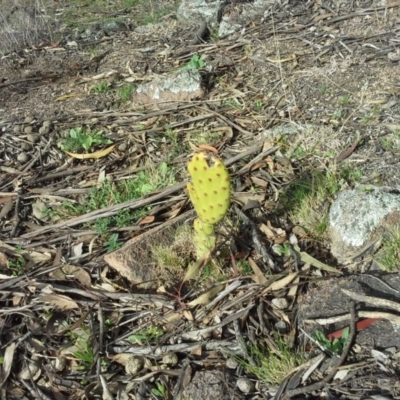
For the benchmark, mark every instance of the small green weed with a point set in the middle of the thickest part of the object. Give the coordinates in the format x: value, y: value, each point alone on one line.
x: 113, y: 243
x: 125, y: 92
x: 323, y: 88
x: 109, y: 193
x: 391, y: 142
x: 244, y: 267
x: 84, y: 354
x: 205, y: 137
x: 102, y: 87
x: 260, y: 105
x: 233, y: 103
x: 17, y: 266
x: 273, y: 367
x: 195, y: 62
x: 130, y: 3
x: 344, y: 100
x: 388, y: 256
x: 371, y: 116
x: 146, y: 335
x: 338, y: 114
x: 160, y: 391
x: 179, y: 147
x: 81, y: 139
x: 283, y: 249
x: 308, y: 201
x: 337, y: 345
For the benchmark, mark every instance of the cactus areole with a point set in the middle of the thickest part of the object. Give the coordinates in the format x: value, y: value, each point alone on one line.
x: 209, y: 191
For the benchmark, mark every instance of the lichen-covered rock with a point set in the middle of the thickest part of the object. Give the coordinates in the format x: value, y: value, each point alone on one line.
x: 358, y: 216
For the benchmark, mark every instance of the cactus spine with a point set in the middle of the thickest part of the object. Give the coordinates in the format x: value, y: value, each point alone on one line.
x: 209, y: 191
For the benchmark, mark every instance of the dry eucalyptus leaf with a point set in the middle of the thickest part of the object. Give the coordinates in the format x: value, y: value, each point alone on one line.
x: 3, y: 260
x: 193, y: 269
x: 258, y: 275
x: 205, y: 298
x: 77, y: 250
x: 59, y: 301
x: 7, y: 363
x: 7, y: 207
x: 281, y: 283
x: 121, y: 358
x: 96, y: 154
x: 107, y: 395
x: 77, y: 272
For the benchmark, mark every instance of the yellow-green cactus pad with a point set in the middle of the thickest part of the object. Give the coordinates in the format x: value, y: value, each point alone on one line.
x: 209, y: 190
x: 204, y: 238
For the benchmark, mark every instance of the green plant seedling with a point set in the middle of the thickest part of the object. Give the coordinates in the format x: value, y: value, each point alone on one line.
x: 209, y: 192
x: 273, y: 367
x: 195, y: 62
x: 344, y: 100
x: 125, y: 92
x: 80, y: 139
x: 160, y: 391
x: 16, y: 266
x: 146, y: 335
x: 337, y: 345
x: 388, y: 256
x: 113, y: 243
x: 259, y: 105
x: 102, y: 87
x: 84, y: 354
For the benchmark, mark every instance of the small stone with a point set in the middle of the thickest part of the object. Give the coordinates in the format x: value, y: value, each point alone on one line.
x: 245, y: 385
x: 170, y: 359
x: 28, y: 129
x: 59, y: 363
x: 17, y: 129
x: 122, y: 147
x: 231, y: 363
x: 43, y: 130
x: 134, y: 365
x: 28, y: 120
x: 31, y: 137
x: 25, y: 146
x: 280, y: 303
x: 22, y: 157
x: 46, y: 124
x: 30, y: 371
x: 281, y: 327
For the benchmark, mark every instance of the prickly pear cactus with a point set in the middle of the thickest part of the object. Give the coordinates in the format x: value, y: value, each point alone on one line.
x: 209, y: 191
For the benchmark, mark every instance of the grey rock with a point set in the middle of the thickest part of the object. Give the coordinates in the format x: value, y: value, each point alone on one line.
x: 28, y: 129
x: 17, y: 129
x: 122, y: 147
x: 181, y: 86
x: 358, y: 217
x: 46, y: 124
x: 28, y: 120
x: 231, y: 363
x: 245, y: 385
x: 207, y: 385
x: 31, y: 137
x: 170, y: 359
x: 44, y: 130
x: 22, y: 157
x: 25, y: 146
x: 114, y: 26
x: 199, y: 10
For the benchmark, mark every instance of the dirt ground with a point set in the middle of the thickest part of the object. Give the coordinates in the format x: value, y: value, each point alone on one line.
x: 327, y: 70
